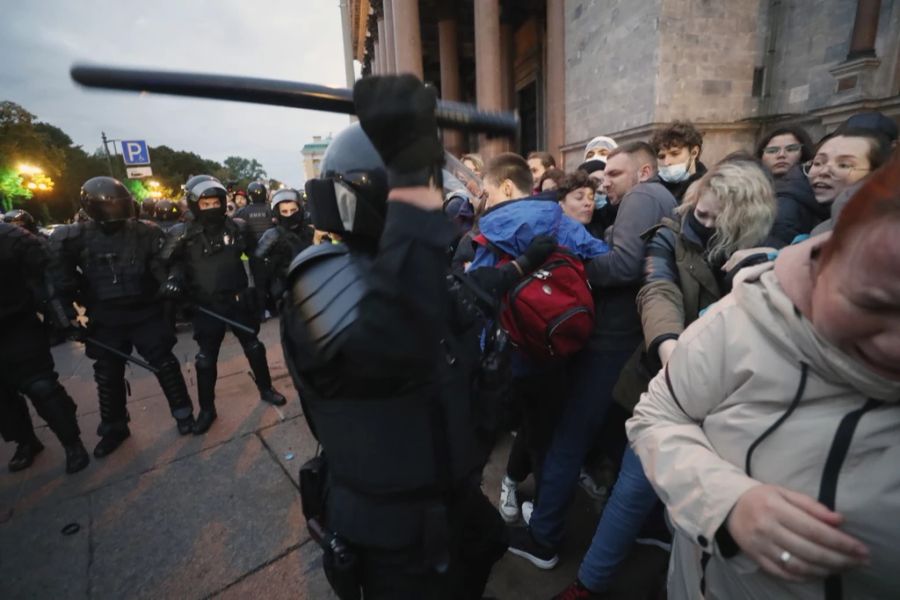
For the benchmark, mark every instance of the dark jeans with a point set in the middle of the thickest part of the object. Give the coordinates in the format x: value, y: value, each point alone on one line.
x: 477, y: 541
x: 540, y: 397
x: 632, y: 501
x: 593, y: 375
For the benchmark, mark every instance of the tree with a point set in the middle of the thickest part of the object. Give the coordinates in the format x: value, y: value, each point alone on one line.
x: 243, y: 170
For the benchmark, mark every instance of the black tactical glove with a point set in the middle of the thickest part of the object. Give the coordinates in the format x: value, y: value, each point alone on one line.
x: 541, y: 247
x: 397, y: 114
x: 249, y: 300
x: 172, y: 289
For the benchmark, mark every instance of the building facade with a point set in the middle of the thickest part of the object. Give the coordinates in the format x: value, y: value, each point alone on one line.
x: 574, y: 69
x: 312, y: 155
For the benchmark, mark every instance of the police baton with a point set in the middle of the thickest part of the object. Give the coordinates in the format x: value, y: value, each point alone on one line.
x: 225, y: 319
x: 276, y: 92
x: 120, y: 354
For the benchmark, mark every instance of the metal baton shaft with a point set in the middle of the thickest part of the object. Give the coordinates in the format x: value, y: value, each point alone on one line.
x: 122, y: 355
x: 224, y: 319
x: 450, y: 115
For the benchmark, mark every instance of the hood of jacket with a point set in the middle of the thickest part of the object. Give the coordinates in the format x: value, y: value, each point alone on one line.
x: 795, y: 185
x: 512, y: 226
x: 774, y: 294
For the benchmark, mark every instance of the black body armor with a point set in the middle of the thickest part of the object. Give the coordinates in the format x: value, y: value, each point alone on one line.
x: 23, y: 260
x: 208, y: 261
x: 120, y: 267
x: 396, y: 447
x: 258, y: 218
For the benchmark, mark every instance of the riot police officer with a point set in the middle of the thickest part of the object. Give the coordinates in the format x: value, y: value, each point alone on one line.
x: 23, y: 219
x: 385, y: 358
x: 257, y: 214
x: 167, y: 214
x: 204, y: 259
x: 112, y: 264
x: 279, y: 245
x: 26, y: 364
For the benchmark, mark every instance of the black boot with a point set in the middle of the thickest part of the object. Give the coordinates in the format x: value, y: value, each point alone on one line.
x: 76, y: 457
x: 204, y: 420
x: 256, y: 356
x: 206, y: 391
x: 53, y: 404
x: 175, y: 390
x: 24, y: 456
x: 110, y: 442
x: 272, y: 396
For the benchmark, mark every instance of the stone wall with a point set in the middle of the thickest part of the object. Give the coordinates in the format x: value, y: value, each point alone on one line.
x: 612, y: 54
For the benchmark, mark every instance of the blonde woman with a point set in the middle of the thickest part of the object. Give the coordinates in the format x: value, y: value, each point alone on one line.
x: 773, y: 432
x: 730, y: 208
x: 474, y: 163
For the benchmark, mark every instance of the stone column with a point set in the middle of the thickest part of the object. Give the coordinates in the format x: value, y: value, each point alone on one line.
x: 382, y: 47
x: 865, y: 29
x: 488, y: 76
x: 449, y: 58
x: 389, y: 43
x: 507, y: 85
x: 407, y: 37
x: 556, y: 78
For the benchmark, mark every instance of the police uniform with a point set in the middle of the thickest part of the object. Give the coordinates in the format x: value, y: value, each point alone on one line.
x: 279, y: 245
x: 385, y: 360
x: 26, y: 364
x: 204, y: 260
x: 112, y: 266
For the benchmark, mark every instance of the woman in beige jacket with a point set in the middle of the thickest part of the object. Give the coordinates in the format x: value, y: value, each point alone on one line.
x: 773, y: 433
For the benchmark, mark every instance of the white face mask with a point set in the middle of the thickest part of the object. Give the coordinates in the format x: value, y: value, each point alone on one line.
x: 674, y: 173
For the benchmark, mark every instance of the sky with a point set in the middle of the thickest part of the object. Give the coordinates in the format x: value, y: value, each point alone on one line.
x: 298, y: 40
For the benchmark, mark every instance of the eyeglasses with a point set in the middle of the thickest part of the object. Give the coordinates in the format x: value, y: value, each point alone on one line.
x: 840, y: 170
x: 773, y: 150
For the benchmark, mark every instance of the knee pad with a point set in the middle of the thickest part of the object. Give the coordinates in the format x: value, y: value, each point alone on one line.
x: 253, y: 345
x: 108, y: 371
x: 205, y: 360
x: 41, y: 388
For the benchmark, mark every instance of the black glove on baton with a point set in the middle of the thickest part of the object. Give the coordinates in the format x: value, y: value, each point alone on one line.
x: 397, y: 113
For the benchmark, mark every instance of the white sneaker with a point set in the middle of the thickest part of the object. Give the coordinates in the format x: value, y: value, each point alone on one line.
x: 509, y: 504
x: 593, y: 489
x: 527, y: 509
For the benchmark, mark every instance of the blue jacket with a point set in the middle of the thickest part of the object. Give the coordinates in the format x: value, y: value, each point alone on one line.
x: 512, y: 226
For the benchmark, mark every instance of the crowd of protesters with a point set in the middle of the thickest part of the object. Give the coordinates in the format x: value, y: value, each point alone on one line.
x: 725, y: 337
x: 753, y: 367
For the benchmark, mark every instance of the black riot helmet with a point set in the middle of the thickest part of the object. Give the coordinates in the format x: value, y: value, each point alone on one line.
x: 148, y: 208
x: 22, y: 218
x: 106, y: 200
x: 350, y: 196
x: 257, y: 193
x: 204, y: 186
x: 288, y: 195
x: 166, y: 210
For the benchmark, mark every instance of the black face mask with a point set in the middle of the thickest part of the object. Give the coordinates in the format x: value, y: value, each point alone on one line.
x: 292, y: 222
x: 211, y: 217
x: 702, y: 231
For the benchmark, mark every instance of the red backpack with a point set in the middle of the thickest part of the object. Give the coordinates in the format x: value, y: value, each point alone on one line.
x: 550, y: 313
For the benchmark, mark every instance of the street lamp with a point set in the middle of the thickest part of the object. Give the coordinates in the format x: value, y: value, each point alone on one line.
x: 153, y: 183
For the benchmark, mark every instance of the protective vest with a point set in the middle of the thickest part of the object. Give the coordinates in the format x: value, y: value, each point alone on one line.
x: 214, y: 260
x: 117, y: 267
x: 258, y: 218
x: 394, y: 452
x: 19, y: 252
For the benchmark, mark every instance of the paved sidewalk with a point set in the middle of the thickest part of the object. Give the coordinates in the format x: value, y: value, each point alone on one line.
x: 169, y: 516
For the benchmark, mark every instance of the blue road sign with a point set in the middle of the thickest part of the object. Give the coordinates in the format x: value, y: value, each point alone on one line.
x: 135, y: 152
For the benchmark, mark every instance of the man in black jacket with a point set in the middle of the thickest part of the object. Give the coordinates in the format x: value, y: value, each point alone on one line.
x: 385, y: 355
x: 112, y: 265
x: 204, y: 260
x: 26, y: 364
